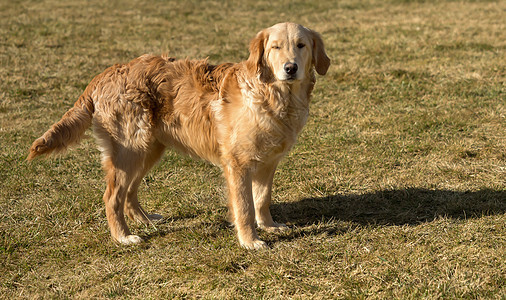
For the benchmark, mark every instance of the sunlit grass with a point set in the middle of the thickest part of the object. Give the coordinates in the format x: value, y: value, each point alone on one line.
x: 396, y: 188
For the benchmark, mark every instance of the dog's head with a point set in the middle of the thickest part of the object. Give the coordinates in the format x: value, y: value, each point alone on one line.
x: 288, y: 51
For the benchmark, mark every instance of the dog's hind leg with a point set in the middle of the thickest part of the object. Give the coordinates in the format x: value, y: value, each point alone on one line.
x: 124, y: 172
x: 118, y: 178
x: 132, y: 208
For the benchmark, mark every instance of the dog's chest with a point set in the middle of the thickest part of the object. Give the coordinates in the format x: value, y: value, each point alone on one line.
x: 275, y: 119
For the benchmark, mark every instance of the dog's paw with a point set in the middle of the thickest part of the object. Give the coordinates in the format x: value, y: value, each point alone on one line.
x: 130, y: 240
x: 275, y: 227
x: 255, y: 245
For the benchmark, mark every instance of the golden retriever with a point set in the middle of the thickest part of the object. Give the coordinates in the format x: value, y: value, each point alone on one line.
x: 242, y: 116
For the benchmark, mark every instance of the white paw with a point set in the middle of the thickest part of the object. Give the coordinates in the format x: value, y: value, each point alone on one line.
x: 130, y: 240
x: 275, y: 227
x: 255, y: 245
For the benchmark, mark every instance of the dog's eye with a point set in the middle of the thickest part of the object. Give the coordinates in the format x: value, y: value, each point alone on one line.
x: 300, y: 45
x: 276, y: 47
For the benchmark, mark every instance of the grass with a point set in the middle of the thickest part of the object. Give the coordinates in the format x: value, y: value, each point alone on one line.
x: 396, y: 188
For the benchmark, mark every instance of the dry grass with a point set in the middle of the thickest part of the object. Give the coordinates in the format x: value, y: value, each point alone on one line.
x: 396, y: 188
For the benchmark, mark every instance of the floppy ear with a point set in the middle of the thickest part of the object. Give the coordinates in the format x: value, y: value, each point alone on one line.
x: 320, y: 59
x: 256, y: 52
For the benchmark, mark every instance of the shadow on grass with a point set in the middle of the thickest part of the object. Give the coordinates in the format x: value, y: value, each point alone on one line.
x: 383, y: 208
x: 394, y: 207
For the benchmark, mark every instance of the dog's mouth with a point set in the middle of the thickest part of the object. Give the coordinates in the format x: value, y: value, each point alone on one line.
x: 290, y: 79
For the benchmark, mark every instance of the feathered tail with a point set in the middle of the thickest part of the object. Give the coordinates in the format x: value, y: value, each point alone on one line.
x: 69, y: 130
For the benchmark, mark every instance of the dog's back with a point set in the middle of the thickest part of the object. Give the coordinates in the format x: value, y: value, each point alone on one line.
x: 244, y: 117
x: 157, y: 98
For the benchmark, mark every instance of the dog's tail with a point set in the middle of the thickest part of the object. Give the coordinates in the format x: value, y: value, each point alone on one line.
x: 70, y: 129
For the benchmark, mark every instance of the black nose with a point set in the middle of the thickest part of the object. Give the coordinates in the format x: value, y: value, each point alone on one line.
x: 291, y: 68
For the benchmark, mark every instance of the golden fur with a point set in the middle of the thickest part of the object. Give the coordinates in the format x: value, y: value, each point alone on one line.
x: 243, y: 117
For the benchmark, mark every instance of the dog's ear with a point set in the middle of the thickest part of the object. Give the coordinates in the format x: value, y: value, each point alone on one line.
x: 256, y: 52
x: 320, y: 59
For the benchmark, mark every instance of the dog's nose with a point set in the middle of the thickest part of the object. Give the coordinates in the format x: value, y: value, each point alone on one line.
x: 291, y: 68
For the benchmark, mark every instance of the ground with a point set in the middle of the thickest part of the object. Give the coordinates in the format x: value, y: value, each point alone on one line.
x: 396, y: 188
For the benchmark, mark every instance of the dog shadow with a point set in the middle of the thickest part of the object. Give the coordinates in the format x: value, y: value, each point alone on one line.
x: 410, y: 207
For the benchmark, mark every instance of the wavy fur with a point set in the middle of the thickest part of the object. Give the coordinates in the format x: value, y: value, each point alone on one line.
x: 243, y: 117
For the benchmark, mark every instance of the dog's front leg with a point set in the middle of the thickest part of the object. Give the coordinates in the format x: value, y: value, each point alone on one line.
x: 262, y: 188
x: 241, y: 205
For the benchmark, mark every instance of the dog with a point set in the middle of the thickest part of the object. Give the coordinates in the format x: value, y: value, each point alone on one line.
x: 243, y: 117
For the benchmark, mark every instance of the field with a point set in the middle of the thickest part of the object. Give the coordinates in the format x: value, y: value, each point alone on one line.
x: 395, y: 190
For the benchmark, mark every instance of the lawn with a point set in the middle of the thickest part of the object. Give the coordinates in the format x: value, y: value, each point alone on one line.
x: 396, y: 188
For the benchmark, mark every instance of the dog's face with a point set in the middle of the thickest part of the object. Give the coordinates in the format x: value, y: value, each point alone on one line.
x: 288, y: 51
